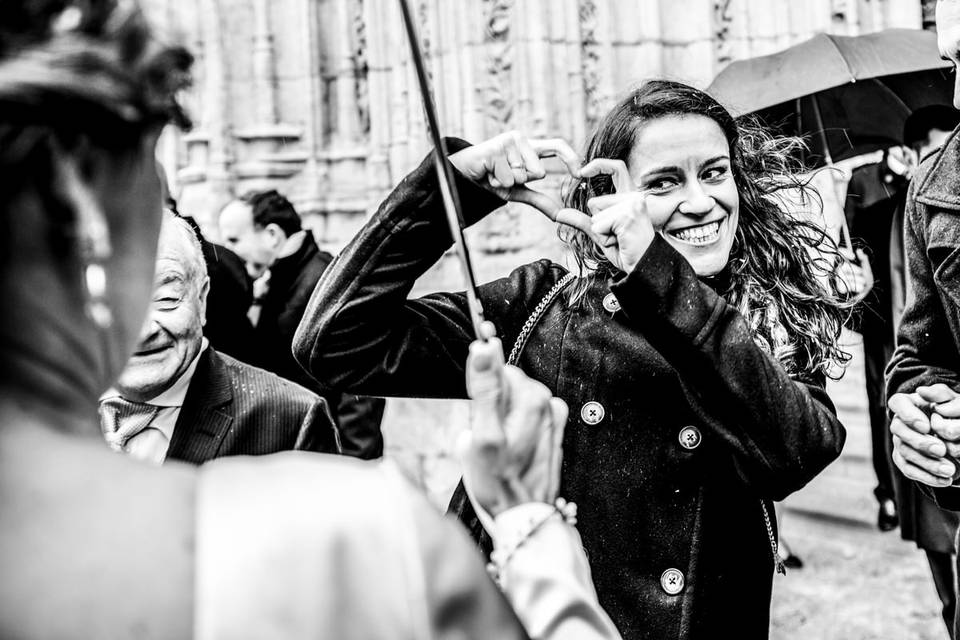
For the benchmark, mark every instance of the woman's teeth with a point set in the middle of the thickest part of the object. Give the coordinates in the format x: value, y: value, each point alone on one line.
x: 702, y: 235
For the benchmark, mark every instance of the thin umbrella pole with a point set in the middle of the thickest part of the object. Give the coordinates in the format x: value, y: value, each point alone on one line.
x: 828, y: 160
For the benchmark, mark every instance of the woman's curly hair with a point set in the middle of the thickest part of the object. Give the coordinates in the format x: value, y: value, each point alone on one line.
x: 783, y: 269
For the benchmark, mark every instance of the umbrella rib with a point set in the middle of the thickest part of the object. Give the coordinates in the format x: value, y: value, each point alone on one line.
x: 892, y: 93
x: 846, y: 63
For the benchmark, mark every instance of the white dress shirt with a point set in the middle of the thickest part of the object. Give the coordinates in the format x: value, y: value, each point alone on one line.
x: 151, y: 444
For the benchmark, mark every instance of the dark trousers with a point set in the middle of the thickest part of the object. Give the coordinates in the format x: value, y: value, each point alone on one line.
x: 943, y: 569
x: 876, y: 349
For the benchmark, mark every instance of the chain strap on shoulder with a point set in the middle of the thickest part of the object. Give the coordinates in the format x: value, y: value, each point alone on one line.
x: 535, y: 317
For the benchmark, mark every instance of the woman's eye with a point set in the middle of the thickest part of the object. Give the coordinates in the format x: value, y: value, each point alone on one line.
x: 661, y: 184
x: 715, y: 174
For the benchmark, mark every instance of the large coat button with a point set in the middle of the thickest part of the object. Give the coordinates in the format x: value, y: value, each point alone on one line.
x: 672, y: 581
x: 592, y: 412
x: 610, y: 303
x: 690, y: 437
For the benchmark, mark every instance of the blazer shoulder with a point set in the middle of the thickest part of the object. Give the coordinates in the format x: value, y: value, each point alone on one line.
x: 262, y: 385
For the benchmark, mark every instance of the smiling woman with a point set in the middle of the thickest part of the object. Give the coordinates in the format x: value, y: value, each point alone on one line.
x: 711, y: 188
x: 691, y: 349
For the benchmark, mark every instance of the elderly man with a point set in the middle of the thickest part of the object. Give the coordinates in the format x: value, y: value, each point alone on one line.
x: 924, y: 376
x: 264, y: 229
x: 179, y: 398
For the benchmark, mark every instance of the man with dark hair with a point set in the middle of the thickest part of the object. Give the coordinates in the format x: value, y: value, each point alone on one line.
x: 264, y: 229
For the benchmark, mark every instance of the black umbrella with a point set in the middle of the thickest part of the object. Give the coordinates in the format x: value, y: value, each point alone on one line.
x: 849, y: 94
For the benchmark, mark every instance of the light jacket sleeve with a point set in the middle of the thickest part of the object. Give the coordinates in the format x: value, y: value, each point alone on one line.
x: 782, y: 432
x: 546, y: 577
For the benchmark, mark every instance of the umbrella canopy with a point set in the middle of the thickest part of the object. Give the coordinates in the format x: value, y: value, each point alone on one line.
x: 823, y: 62
x: 850, y: 94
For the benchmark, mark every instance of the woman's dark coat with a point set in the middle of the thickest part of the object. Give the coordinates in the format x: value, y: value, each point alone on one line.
x: 653, y: 494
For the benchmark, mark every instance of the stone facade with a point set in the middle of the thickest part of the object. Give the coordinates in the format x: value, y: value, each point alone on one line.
x: 318, y: 99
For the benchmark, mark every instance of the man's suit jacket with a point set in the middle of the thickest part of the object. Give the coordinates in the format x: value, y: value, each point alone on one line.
x: 232, y: 408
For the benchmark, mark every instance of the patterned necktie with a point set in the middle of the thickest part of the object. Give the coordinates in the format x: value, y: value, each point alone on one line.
x: 121, y: 420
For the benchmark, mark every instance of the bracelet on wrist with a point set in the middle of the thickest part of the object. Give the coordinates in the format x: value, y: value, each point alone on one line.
x: 499, y: 559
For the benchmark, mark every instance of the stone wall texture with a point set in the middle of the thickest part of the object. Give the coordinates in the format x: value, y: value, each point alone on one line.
x: 317, y: 98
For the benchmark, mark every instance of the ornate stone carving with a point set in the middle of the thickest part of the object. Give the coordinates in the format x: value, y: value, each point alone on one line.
x: 590, y: 62
x: 722, y: 19
x: 499, y: 102
x: 361, y: 66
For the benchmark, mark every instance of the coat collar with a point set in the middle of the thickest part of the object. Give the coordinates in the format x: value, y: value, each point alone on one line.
x: 939, y: 176
x: 204, y: 419
x: 288, y: 267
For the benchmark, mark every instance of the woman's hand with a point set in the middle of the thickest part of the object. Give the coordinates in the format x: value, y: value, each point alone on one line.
x: 512, y: 453
x: 506, y: 163
x: 619, y: 223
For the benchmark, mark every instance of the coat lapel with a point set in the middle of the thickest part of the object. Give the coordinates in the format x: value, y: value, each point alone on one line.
x: 204, y: 419
x: 940, y: 182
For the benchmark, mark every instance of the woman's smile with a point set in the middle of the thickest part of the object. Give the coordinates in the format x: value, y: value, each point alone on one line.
x: 699, y: 235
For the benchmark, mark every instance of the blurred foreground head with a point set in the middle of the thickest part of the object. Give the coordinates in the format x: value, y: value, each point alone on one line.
x: 85, y: 88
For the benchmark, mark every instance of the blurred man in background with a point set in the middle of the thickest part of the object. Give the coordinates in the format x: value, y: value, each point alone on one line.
x: 265, y: 230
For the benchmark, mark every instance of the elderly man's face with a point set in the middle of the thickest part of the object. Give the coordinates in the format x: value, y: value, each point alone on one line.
x: 948, y: 38
x: 171, y: 337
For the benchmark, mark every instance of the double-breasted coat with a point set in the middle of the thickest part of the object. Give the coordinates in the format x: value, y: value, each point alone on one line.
x: 681, y: 428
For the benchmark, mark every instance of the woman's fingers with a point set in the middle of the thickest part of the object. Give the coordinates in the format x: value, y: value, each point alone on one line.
x: 575, y: 219
x: 600, y: 203
x: 553, y: 209
x: 531, y: 159
x: 622, y: 182
x: 545, y: 204
x: 558, y: 147
x: 507, y: 165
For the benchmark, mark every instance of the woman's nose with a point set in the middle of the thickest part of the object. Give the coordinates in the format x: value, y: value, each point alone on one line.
x: 697, y: 202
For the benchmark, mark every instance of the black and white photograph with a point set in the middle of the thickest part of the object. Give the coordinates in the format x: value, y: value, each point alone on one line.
x: 479, y: 319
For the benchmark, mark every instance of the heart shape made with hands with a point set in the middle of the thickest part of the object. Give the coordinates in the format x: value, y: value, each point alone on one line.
x: 617, y: 222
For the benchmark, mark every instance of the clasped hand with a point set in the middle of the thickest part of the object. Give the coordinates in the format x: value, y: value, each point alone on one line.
x: 926, y: 434
x: 512, y: 453
x: 618, y: 223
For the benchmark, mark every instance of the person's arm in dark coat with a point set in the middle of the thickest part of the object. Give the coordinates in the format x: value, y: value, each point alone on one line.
x: 318, y: 432
x: 361, y: 334
x: 925, y: 353
x: 359, y: 419
x: 782, y: 432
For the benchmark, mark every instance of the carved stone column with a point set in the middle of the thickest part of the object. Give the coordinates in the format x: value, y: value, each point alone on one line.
x: 207, y: 182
